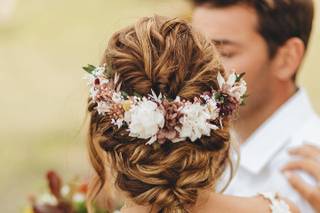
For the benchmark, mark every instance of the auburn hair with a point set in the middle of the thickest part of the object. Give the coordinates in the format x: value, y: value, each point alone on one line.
x: 167, y: 56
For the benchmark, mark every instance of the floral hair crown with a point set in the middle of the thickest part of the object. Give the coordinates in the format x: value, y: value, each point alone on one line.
x: 156, y: 118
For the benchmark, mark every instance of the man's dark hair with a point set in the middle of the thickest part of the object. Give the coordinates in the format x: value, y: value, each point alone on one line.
x: 279, y: 20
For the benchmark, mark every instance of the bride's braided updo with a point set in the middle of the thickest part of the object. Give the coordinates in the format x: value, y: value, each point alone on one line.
x: 169, y: 57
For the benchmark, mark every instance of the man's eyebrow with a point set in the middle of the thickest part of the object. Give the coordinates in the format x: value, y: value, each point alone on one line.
x: 223, y: 42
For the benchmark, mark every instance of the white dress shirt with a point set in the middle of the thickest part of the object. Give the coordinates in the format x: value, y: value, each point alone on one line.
x: 266, y: 151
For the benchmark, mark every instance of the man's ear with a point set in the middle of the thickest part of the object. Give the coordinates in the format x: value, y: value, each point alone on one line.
x: 289, y: 58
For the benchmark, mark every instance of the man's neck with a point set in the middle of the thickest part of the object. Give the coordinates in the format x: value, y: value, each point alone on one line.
x: 248, y: 122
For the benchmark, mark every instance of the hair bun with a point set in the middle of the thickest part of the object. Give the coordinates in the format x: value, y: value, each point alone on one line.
x: 168, y: 56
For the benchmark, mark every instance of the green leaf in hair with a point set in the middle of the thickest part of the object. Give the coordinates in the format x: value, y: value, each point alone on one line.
x: 239, y: 77
x: 124, y: 94
x: 137, y: 95
x: 89, y: 68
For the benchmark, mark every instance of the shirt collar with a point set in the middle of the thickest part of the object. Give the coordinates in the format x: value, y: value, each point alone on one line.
x: 275, y: 132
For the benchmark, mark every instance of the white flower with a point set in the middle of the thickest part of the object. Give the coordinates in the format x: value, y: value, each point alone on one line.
x: 195, y: 122
x: 95, y: 80
x: 154, y: 97
x: 104, y: 81
x: 233, y: 88
x: 144, y: 120
x: 79, y: 197
x: 239, y: 90
x: 205, y: 97
x: 65, y: 190
x: 99, y: 71
x: 212, y: 108
x: 47, y: 199
x: 118, y: 122
x: 177, y: 99
x: 91, y: 78
x: 117, y: 97
x: 230, y: 81
x: 102, y: 107
x: 93, y: 89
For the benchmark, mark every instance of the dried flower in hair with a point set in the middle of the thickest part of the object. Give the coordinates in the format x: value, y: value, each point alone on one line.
x: 156, y: 118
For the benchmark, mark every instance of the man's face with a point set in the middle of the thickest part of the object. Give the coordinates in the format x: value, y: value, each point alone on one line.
x: 242, y: 48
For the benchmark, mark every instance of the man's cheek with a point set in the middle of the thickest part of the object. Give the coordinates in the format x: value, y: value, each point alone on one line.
x: 231, y: 64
